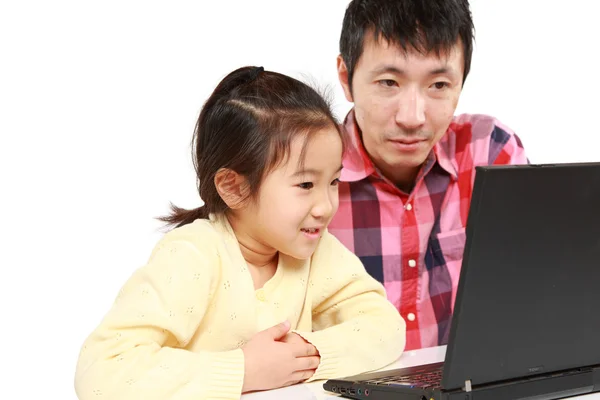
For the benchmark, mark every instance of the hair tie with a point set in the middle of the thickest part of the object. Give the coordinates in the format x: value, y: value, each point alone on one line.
x: 256, y: 72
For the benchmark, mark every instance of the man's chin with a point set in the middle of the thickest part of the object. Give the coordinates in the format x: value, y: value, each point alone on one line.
x: 410, y: 162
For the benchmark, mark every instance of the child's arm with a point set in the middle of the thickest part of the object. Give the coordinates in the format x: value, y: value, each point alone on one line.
x: 355, y: 328
x: 134, y: 352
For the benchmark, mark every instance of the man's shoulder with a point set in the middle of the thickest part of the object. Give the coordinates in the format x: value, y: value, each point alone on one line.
x: 482, y: 137
x: 476, y: 127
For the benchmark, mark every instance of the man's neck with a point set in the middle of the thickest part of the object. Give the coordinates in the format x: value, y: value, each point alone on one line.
x: 403, y: 178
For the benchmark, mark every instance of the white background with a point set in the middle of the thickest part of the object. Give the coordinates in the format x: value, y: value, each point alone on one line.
x: 97, y: 105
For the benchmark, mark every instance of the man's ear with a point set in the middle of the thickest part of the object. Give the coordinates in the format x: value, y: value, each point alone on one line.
x: 343, y: 77
x: 232, y: 187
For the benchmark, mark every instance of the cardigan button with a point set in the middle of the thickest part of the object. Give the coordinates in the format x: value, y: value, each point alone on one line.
x: 260, y: 295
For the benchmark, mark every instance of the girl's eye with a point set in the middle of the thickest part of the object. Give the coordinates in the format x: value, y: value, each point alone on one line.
x: 306, y: 185
x: 335, y: 182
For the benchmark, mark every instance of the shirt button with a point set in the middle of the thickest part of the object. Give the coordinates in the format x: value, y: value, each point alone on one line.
x: 411, y: 317
x: 412, y: 263
x: 408, y: 207
x: 260, y: 295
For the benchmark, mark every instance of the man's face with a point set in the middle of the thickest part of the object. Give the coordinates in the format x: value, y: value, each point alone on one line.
x: 403, y: 102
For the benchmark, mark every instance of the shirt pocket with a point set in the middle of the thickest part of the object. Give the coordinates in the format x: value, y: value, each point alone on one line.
x: 450, y: 248
x: 452, y: 244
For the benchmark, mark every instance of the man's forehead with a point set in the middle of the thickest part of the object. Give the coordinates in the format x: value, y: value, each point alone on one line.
x: 384, y: 56
x: 396, y: 48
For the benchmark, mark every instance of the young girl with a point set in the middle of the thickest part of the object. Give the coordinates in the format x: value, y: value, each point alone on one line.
x: 249, y: 292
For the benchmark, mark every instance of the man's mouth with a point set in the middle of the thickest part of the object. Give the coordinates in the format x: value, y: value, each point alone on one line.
x: 408, y: 145
x: 408, y: 141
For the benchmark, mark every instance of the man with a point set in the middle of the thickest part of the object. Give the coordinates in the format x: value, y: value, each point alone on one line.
x: 409, y: 169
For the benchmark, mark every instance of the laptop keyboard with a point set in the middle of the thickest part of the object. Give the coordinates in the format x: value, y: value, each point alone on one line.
x: 422, y: 379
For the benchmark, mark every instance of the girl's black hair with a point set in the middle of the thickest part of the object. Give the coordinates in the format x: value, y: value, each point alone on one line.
x: 247, y: 125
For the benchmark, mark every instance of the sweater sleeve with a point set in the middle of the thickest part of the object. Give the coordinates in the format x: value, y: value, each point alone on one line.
x: 355, y: 328
x: 137, y: 351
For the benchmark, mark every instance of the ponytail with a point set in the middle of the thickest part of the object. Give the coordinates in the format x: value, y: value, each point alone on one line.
x: 181, y: 216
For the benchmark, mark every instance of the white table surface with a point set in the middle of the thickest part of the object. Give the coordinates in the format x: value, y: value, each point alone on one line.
x: 314, y: 390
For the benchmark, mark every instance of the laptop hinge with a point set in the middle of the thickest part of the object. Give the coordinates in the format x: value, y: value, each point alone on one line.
x: 468, y: 387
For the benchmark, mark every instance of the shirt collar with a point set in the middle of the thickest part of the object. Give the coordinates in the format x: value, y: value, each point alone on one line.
x: 358, y: 165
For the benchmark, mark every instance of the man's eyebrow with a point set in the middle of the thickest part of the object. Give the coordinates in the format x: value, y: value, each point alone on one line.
x: 388, y: 69
x: 395, y: 70
x: 311, y: 171
x: 444, y: 71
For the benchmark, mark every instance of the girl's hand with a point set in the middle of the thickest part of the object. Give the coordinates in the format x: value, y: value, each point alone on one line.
x: 299, y: 342
x: 274, y: 359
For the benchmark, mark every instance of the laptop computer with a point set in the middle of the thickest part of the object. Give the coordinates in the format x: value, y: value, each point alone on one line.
x: 526, y: 321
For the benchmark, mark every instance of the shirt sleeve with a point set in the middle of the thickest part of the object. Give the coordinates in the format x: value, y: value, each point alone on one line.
x: 355, y: 328
x: 138, y: 350
x: 509, y: 151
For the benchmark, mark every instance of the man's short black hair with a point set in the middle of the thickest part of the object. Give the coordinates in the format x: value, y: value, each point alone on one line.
x: 425, y: 25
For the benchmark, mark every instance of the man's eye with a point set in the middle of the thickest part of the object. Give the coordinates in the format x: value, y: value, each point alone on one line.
x: 306, y: 185
x: 440, y: 85
x: 387, y: 82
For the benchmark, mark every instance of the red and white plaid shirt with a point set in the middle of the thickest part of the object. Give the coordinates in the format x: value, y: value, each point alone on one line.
x: 413, y: 243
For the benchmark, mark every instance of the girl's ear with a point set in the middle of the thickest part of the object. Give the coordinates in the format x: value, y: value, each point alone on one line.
x: 232, y: 187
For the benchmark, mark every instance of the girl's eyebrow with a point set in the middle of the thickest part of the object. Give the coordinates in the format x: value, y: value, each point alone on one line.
x: 312, y: 171
x: 309, y: 171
